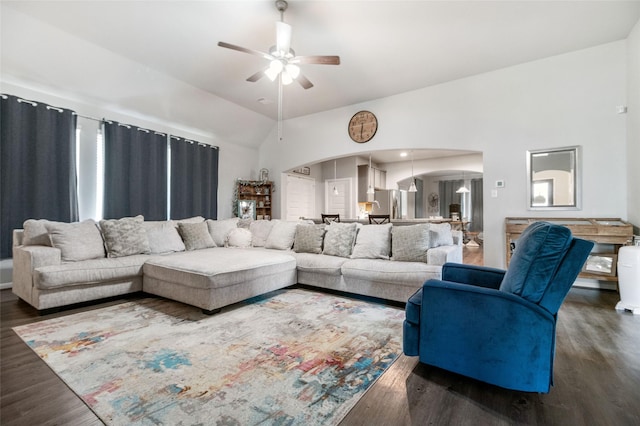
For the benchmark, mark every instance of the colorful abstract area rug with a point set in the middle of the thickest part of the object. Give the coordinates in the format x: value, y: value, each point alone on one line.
x: 291, y: 357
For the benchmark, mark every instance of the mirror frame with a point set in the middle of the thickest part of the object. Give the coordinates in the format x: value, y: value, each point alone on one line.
x: 577, y: 178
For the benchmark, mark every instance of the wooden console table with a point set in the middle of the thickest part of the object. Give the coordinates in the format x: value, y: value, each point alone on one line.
x: 599, y: 230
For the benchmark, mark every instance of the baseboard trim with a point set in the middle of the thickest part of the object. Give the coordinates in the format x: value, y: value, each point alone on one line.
x: 4, y: 286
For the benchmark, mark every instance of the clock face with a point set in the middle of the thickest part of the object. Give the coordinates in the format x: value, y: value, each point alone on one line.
x: 363, y: 126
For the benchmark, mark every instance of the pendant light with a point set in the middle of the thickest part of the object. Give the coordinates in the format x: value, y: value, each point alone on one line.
x: 370, y: 190
x: 463, y: 189
x: 335, y: 177
x: 412, y: 187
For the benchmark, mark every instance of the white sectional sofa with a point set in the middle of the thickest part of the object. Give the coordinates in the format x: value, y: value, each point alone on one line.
x: 211, y: 264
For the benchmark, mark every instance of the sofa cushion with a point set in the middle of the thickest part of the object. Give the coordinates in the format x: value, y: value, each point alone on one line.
x: 339, y: 239
x: 217, y: 267
x: 373, y: 242
x: 309, y: 238
x: 410, y: 243
x: 125, y: 236
x: 35, y: 233
x: 319, y: 263
x: 195, y: 235
x: 539, y: 251
x: 163, y: 237
x: 239, y: 237
x: 260, y: 230
x: 219, y: 229
x: 76, y: 241
x: 440, y: 235
x: 282, y: 235
x: 412, y: 274
x: 88, y: 272
x: 194, y: 219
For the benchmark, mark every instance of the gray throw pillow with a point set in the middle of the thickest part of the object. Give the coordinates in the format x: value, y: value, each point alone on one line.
x: 373, y: 242
x: 339, y: 239
x: 77, y: 241
x: 163, y: 237
x: 308, y: 238
x: 410, y: 243
x: 196, y: 235
x: 440, y: 234
x: 125, y: 236
x: 35, y: 233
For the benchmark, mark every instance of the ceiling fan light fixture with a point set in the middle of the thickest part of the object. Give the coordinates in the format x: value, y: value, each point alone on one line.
x: 286, y: 78
x: 275, y: 67
x: 293, y: 70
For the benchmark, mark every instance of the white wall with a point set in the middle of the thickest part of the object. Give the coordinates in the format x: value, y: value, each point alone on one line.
x: 560, y: 101
x: 633, y: 127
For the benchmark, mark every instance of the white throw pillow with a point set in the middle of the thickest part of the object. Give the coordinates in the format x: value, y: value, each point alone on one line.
x: 282, y: 235
x: 163, y: 237
x: 260, y: 230
x: 76, y: 241
x: 410, y: 243
x: 373, y: 242
x: 440, y: 235
x: 219, y: 229
x: 239, y: 237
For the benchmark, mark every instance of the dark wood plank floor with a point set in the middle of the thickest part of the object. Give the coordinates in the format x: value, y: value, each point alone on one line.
x: 597, y: 377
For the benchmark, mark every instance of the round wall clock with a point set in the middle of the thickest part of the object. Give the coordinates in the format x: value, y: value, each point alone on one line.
x: 363, y: 126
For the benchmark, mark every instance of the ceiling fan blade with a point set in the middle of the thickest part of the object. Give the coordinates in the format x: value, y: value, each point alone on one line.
x: 257, y: 76
x: 321, y: 60
x: 304, y: 82
x: 245, y: 50
x: 283, y: 37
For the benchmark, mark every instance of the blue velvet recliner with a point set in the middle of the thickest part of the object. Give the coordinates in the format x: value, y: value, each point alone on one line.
x: 498, y: 326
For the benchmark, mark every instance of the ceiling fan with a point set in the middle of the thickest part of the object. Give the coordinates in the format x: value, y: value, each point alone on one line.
x: 283, y: 60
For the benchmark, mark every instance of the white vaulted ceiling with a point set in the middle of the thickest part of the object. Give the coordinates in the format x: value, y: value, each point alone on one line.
x: 386, y: 47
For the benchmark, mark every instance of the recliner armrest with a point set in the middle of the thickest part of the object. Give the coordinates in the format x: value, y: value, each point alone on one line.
x: 481, y: 276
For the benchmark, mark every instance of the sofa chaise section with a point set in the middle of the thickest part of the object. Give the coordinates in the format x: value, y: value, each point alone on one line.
x: 216, y: 277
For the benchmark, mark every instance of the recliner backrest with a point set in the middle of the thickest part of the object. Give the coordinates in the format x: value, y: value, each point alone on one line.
x: 566, y: 275
x: 538, y: 254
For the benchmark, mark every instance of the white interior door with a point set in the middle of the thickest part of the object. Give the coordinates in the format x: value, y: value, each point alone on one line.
x: 342, y: 202
x: 301, y: 197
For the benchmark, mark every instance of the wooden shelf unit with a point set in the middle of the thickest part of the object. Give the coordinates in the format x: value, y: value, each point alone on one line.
x: 612, y: 231
x: 259, y: 191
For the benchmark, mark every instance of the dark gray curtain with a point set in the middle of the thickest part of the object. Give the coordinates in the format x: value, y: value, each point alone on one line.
x: 448, y: 195
x: 194, y: 179
x: 135, y: 174
x: 38, y: 159
x: 476, y: 206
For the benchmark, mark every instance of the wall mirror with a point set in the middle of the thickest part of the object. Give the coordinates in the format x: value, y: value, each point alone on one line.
x: 553, y: 179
